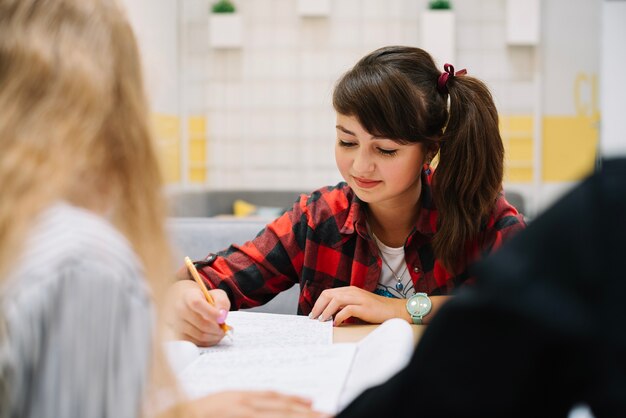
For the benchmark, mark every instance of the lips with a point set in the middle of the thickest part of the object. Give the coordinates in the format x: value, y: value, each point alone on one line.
x: 366, y: 183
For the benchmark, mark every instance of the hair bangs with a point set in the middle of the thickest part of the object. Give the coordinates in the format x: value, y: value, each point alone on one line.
x: 384, y: 101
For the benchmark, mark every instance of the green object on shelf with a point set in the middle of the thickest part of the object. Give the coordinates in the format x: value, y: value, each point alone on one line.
x: 223, y: 6
x: 439, y: 5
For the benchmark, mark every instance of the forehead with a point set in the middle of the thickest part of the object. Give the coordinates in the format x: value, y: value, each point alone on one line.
x: 351, y: 123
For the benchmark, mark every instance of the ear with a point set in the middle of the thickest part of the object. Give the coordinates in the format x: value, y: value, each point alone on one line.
x: 431, y: 151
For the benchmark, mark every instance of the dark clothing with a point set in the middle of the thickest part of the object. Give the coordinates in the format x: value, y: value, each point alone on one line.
x: 543, y: 329
x: 322, y: 243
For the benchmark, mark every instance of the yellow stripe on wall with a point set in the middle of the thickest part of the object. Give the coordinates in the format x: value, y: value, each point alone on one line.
x: 197, y: 149
x: 569, y: 147
x: 167, y: 131
x: 568, y: 152
x: 517, y: 137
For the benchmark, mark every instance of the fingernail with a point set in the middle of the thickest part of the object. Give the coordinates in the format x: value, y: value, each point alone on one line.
x: 321, y: 318
x: 222, y: 316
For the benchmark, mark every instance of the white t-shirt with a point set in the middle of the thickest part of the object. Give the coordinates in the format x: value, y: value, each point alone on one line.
x: 393, y: 259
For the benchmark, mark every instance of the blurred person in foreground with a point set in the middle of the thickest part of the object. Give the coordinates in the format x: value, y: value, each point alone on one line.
x: 83, y: 252
x: 541, y: 332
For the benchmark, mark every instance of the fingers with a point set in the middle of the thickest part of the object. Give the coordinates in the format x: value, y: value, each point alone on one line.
x: 332, y: 301
x: 335, y: 304
x: 351, y: 301
x: 275, y: 405
x: 345, y: 313
x: 324, y: 307
x: 254, y: 404
x: 189, y: 332
x: 197, y: 304
x: 201, y: 321
x: 272, y: 401
x: 193, y: 317
x: 221, y: 299
x: 322, y: 301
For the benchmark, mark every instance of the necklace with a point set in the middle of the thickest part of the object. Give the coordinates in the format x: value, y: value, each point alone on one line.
x: 399, y: 286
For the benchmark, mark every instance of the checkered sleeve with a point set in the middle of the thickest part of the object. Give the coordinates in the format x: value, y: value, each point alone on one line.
x: 504, y: 222
x: 253, y: 273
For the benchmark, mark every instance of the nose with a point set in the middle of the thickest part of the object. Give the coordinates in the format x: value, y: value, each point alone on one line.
x: 363, y: 163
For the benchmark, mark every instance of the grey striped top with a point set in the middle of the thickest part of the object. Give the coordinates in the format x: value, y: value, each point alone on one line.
x: 76, y: 323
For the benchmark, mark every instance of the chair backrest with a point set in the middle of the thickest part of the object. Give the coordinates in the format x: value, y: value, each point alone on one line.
x: 516, y: 199
x: 220, y: 202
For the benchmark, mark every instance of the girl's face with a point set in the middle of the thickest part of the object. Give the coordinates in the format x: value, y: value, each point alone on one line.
x: 379, y: 170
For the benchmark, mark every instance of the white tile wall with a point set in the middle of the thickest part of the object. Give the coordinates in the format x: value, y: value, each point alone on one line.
x: 373, y: 10
x: 469, y: 10
x: 492, y: 10
x: 522, y: 95
x: 268, y: 104
x: 347, y: 33
x: 492, y: 35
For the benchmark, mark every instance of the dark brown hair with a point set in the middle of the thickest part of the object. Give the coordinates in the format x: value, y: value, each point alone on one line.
x: 393, y: 93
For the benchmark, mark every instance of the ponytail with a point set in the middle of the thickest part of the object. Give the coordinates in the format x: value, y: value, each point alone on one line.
x: 468, y: 177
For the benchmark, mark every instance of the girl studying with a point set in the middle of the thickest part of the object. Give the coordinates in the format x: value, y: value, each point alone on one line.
x: 396, y: 238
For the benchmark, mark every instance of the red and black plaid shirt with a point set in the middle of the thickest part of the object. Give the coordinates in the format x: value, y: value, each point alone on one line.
x: 322, y: 242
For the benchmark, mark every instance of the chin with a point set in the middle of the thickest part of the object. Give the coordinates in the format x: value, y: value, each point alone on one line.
x: 364, y: 195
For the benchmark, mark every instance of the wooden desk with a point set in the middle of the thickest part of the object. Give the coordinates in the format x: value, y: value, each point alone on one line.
x: 353, y: 333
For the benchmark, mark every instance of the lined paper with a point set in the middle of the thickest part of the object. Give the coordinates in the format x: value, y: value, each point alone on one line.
x: 295, y: 355
x: 262, y: 330
x: 317, y: 372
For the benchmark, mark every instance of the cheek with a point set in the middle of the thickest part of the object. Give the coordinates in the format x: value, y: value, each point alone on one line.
x: 407, y: 171
x: 342, y: 160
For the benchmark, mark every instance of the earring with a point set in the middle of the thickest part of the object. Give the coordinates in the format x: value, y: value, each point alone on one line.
x: 427, y: 169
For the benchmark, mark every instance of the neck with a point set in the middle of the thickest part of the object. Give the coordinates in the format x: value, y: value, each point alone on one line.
x: 392, y: 223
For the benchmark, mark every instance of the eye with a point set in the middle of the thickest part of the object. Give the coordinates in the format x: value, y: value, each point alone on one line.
x: 387, y: 152
x: 346, y: 144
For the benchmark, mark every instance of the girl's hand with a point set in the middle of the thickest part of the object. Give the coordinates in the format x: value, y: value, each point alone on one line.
x: 262, y: 404
x: 192, y: 317
x: 351, y: 301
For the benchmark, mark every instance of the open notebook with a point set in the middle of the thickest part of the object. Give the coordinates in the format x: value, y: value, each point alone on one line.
x: 292, y: 354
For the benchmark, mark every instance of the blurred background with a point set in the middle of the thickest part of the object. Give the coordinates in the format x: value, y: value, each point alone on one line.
x: 242, y: 100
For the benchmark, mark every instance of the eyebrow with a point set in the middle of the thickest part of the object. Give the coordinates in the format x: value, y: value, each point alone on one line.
x: 344, y: 130
x: 349, y: 132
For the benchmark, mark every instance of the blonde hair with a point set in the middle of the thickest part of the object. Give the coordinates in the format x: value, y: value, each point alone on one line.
x: 74, y: 125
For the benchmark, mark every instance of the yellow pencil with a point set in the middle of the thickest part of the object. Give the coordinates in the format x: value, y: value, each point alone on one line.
x: 207, y: 295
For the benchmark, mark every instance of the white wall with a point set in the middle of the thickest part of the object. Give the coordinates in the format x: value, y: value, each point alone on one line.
x: 570, y: 48
x: 268, y: 104
x: 156, y: 27
x: 612, y: 79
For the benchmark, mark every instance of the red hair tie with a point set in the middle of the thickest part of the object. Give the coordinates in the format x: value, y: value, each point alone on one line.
x: 442, y: 82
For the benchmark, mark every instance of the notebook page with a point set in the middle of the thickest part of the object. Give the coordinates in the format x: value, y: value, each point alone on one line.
x: 180, y: 354
x: 260, y: 330
x: 380, y: 355
x: 317, y: 372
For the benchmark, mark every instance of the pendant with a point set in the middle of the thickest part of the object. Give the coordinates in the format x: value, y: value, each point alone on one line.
x: 399, y: 286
